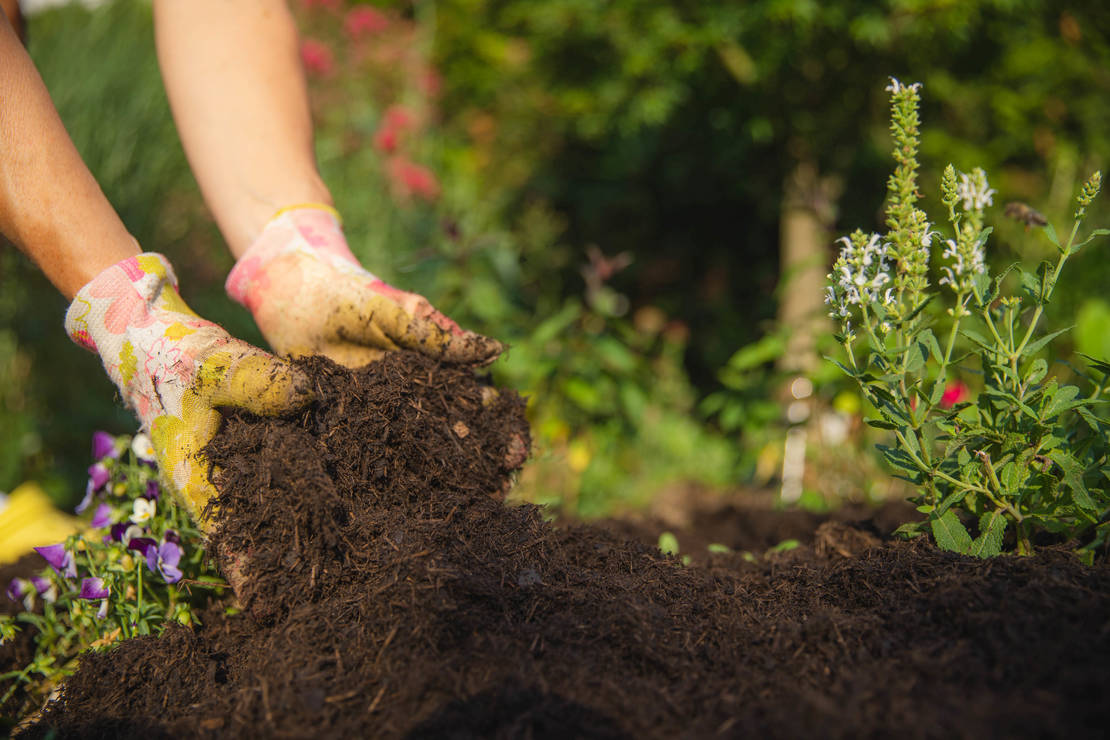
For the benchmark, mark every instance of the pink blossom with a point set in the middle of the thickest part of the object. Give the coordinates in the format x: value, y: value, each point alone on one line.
x: 317, y: 57
x: 410, y: 178
x: 395, y: 122
x: 364, y: 21
x: 954, y: 392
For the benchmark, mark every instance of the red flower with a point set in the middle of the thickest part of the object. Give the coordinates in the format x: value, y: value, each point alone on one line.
x: 396, y: 121
x: 954, y: 392
x: 411, y: 179
x: 317, y: 57
x: 364, y: 21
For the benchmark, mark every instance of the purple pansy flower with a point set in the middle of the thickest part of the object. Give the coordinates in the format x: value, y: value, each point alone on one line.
x: 172, y: 536
x: 98, y: 478
x: 124, y: 532
x: 46, y: 588
x: 17, y: 589
x: 104, y: 445
x: 92, y: 589
x: 164, y: 560
x: 101, y: 517
x: 153, y: 490
x: 60, y: 560
x: 143, y: 545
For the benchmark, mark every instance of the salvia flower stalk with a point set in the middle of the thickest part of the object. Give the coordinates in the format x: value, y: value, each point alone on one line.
x: 1020, y: 452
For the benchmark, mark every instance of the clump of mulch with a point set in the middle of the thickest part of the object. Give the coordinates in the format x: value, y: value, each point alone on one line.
x: 393, y: 594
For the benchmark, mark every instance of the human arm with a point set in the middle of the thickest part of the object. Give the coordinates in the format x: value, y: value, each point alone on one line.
x: 172, y: 368
x: 235, y: 83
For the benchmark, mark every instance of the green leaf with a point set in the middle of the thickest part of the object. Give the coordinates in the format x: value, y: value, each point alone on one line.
x: 1101, y: 365
x: 1096, y: 233
x: 1031, y: 284
x: 1050, y: 232
x: 916, y: 356
x: 979, y: 339
x: 1033, y: 347
x: 950, y: 533
x: 909, y: 530
x: 898, y: 458
x: 1073, y: 478
x: 950, y: 500
x: 1060, y: 401
x: 931, y: 342
x: 880, y: 424
x: 1036, y: 372
x: 992, y: 525
x: 668, y: 543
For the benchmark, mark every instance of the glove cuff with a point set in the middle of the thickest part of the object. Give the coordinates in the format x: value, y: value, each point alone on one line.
x: 119, y: 296
x: 311, y: 230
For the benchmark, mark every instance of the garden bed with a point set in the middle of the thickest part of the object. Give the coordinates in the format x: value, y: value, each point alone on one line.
x: 393, y: 594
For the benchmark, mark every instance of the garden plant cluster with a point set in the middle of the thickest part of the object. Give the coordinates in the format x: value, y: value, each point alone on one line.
x: 1024, y: 453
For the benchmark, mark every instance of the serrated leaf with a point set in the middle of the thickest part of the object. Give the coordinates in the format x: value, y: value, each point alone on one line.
x: 1059, y: 401
x: 992, y: 526
x: 880, y: 424
x: 1033, y: 347
x: 938, y: 392
x: 951, y: 500
x: 950, y: 533
x: 978, y: 339
x: 1073, y: 478
x: 916, y: 356
x: 909, y: 530
x: 1101, y: 365
x: 1036, y: 372
x: 1031, y: 284
x: 898, y: 458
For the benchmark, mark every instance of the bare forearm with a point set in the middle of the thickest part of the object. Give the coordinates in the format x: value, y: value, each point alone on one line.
x: 235, y: 83
x: 51, y: 208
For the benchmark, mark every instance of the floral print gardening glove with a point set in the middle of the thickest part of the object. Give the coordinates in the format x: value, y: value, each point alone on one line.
x: 174, y: 369
x: 309, y: 294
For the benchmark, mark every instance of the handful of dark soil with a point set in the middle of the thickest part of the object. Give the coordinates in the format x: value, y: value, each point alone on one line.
x: 401, y: 598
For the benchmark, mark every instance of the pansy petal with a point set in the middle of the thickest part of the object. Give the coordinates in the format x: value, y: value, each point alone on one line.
x: 143, y: 448
x: 104, y: 445
x: 142, y: 544
x: 53, y: 554
x: 153, y: 490
x: 103, y: 610
x: 170, y: 553
x: 89, y: 491
x: 16, y: 589
x: 99, y: 475
x: 102, y: 517
x: 171, y: 573
x: 93, y: 588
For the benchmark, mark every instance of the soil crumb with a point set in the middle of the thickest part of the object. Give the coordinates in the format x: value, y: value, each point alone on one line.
x: 394, y: 595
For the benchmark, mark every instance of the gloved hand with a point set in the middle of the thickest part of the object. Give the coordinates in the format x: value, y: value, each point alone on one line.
x: 174, y: 369
x: 309, y: 294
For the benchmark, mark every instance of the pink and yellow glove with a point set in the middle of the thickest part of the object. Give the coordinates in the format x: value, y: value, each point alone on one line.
x: 309, y: 294
x: 174, y: 369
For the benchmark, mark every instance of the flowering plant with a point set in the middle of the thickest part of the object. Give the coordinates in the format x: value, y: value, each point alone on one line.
x: 1027, y: 453
x: 130, y: 572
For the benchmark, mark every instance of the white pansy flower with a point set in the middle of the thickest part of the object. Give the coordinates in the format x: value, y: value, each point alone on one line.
x: 143, y: 510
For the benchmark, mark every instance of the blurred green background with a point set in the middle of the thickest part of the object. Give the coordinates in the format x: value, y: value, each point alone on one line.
x: 637, y: 195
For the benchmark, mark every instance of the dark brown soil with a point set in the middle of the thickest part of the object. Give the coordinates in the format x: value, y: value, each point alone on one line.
x: 394, y: 596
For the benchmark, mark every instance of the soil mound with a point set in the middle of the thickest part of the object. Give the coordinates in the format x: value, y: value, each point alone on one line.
x: 396, y: 596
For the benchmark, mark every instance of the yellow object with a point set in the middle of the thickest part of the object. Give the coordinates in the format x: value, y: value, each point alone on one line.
x: 28, y: 520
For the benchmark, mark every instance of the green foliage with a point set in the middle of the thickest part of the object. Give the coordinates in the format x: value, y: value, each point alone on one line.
x: 1027, y: 453
x: 144, y: 592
